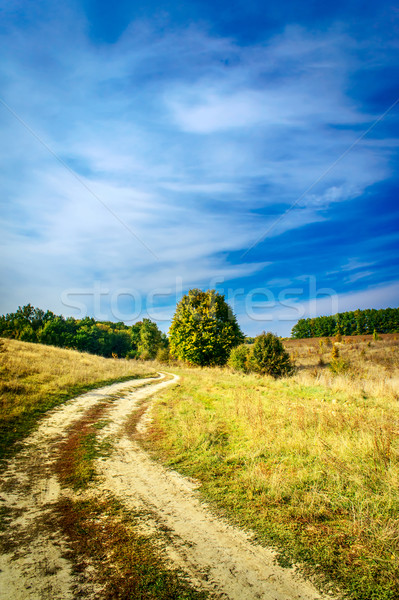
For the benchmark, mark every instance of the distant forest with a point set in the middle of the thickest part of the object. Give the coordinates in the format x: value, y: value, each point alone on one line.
x: 29, y: 324
x: 356, y: 322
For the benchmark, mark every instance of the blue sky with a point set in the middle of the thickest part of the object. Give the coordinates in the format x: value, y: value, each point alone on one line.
x: 151, y: 147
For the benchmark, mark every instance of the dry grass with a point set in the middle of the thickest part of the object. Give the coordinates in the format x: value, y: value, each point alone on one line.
x: 372, y: 365
x: 311, y: 462
x: 35, y: 378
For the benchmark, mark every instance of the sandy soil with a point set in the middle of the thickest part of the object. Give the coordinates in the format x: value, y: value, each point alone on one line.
x: 215, y: 555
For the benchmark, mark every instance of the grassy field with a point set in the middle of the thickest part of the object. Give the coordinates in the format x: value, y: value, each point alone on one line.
x: 35, y: 378
x: 311, y: 463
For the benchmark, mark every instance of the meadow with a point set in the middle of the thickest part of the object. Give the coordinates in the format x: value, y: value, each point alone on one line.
x: 35, y: 378
x: 310, y: 463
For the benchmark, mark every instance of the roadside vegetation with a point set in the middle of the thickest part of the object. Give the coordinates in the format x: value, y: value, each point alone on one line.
x: 36, y: 378
x: 266, y: 356
x: 310, y: 462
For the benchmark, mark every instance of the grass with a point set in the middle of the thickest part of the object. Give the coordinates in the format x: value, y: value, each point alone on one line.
x: 36, y: 378
x: 127, y: 564
x: 371, y: 367
x: 75, y: 464
x: 310, y: 463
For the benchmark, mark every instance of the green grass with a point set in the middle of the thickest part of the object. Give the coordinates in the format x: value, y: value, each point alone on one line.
x: 313, y: 470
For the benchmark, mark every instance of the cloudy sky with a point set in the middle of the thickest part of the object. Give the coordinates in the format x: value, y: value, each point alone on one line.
x: 149, y: 147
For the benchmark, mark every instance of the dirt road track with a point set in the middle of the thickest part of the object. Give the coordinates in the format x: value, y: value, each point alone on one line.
x: 216, y: 556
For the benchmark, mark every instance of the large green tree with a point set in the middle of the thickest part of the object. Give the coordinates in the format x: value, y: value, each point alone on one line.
x: 204, y: 329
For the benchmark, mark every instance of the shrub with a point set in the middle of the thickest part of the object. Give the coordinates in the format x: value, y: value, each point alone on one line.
x: 335, y: 352
x: 339, y: 365
x: 145, y: 355
x: 238, y: 359
x: 270, y: 357
x: 376, y: 337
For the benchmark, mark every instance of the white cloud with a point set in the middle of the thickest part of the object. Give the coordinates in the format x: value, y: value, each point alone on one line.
x: 181, y: 147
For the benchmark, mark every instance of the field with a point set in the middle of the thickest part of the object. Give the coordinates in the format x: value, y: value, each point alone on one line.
x: 311, y: 463
x: 35, y: 378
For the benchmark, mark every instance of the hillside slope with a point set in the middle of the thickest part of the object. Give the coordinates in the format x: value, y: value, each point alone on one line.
x: 35, y: 378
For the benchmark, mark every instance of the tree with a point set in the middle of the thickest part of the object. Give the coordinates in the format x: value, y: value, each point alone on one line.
x: 204, y: 329
x: 270, y: 357
x: 150, y: 339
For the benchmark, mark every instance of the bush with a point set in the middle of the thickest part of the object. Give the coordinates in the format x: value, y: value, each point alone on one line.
x: 339, y: 366
x: 239, y: 358
x: 145, y: 355
x: 270, y: 357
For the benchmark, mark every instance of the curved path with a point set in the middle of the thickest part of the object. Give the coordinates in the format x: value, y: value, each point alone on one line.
x: 215, y: 555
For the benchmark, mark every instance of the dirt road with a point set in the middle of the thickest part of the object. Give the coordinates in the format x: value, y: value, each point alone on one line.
x: 217, y: 557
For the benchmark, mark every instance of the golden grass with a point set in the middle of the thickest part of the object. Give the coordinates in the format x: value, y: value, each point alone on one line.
x: 309, y: 462
x: 373, y: 365
x: 34, y: 378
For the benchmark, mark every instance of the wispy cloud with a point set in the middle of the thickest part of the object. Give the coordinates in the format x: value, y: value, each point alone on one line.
x: 196, y: 142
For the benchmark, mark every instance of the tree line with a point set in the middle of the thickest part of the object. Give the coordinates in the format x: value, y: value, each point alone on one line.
x: 204, y: 332
x: 356, y: 322
x: 105, y: 338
